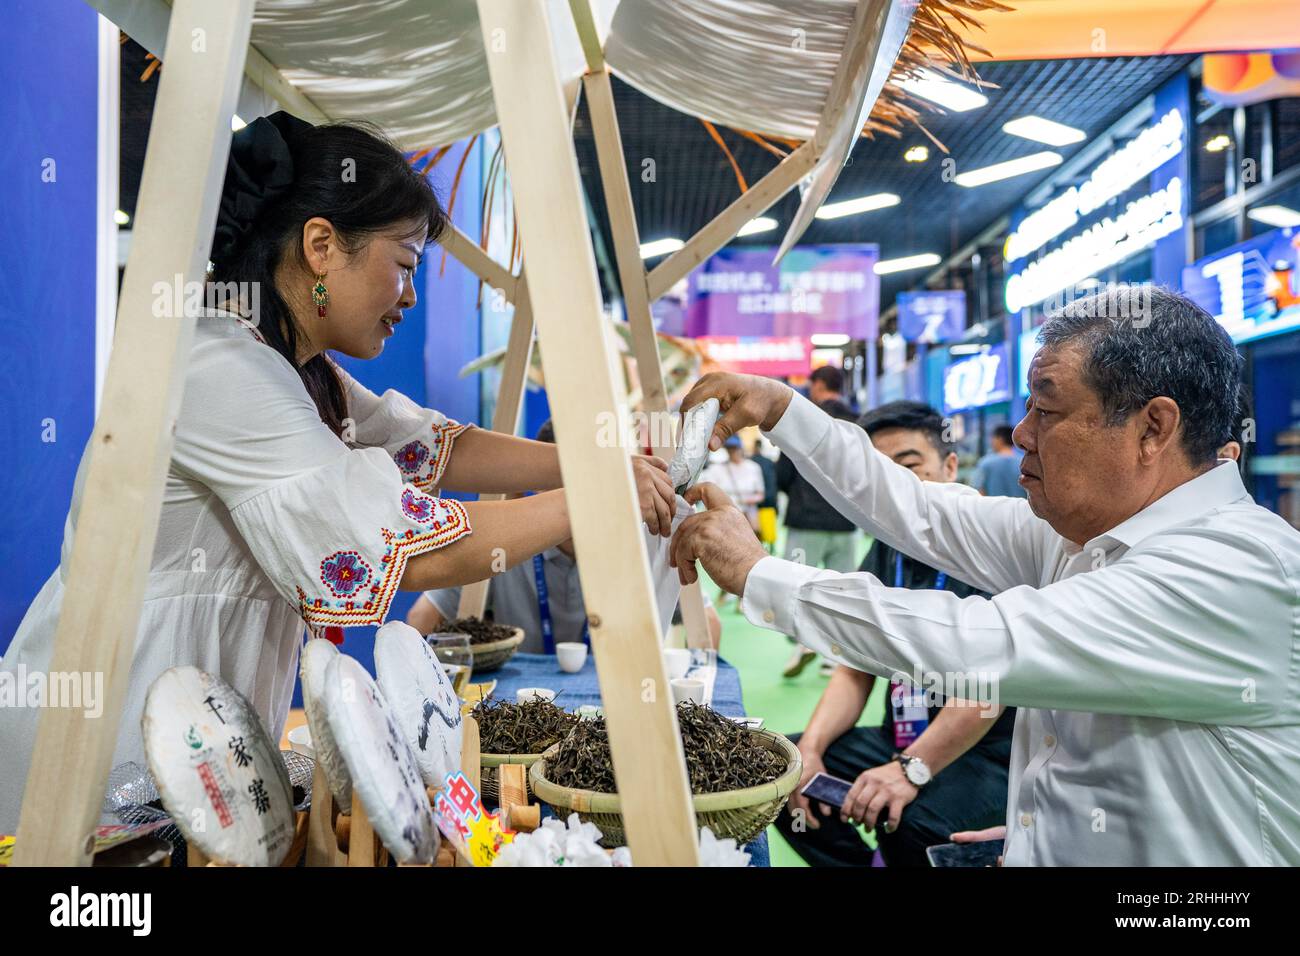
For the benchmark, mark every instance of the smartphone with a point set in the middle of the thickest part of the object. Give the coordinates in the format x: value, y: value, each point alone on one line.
x: 984, y: 853
x: 826, y: 789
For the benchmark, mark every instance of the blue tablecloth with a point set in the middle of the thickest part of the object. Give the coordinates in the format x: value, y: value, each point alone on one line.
x: 575, y: 690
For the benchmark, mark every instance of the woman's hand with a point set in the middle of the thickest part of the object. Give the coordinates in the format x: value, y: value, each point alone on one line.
x: 654, y: 492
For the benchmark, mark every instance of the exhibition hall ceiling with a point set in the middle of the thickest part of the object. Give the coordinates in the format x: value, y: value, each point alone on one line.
x: 680, y: 178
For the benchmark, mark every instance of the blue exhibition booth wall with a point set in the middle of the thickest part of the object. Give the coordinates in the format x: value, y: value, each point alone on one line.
x: 435, y: 340
x: 47, y: 299
x: 47, y: 283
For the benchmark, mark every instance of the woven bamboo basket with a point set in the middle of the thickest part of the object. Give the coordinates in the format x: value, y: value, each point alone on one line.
x: 489, y: 656
x: 488, y: 773
x: 739, y: 814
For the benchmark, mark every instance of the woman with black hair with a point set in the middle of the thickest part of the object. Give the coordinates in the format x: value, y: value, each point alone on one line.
x: 294, y: 494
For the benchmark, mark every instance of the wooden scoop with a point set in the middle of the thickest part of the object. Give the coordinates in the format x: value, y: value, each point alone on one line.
x: 516, y: 814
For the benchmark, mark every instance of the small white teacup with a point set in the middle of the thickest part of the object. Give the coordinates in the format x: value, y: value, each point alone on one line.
x: 571, y: 655
x: 687, y: 688
x: 677, y: 661
x: 525, y: 694
x: 300, y: 741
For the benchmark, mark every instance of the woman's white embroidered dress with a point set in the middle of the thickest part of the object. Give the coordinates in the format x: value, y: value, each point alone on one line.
x: 268, y: 521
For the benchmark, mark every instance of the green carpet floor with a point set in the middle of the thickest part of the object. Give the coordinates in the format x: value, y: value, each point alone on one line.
x: 784, y: 703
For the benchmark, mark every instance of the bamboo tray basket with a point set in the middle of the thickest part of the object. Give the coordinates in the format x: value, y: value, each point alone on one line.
x: 739, y: 814
x: 490, y: 656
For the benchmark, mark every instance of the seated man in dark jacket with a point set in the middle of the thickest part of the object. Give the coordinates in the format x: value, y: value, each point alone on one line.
x: 935, y: 766
x: 816, y: 534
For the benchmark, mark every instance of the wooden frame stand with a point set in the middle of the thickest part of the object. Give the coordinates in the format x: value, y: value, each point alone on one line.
x: 131, y: 445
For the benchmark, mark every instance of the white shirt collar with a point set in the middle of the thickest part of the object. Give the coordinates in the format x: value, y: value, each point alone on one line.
x: 1219, y: 486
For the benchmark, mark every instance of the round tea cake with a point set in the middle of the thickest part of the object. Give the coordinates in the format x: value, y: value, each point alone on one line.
x: 217, y: 770
x: 385, y: 776
x: 316, y: 656
x: 422, y: 699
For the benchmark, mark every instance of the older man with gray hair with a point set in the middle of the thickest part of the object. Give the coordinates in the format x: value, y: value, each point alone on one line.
x: 1146, y: 612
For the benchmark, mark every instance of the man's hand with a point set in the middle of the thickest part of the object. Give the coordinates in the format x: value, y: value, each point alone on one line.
x: 980, y: 836
x: 812, y: 765
x: 654, y: 492
x: 744, y: 399
x: 877, y: 789
x: 721, y: 539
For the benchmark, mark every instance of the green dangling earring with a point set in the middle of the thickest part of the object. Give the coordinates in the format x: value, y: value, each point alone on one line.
x: 320, y: 295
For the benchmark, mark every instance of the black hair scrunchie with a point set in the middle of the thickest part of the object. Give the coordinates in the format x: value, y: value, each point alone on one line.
x: 259, y: 171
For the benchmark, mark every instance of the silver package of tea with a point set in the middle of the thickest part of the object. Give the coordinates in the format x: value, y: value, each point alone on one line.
x: 693, y: 450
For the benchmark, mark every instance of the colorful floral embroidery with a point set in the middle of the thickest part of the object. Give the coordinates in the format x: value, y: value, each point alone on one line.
x: 343, y: 572
x: 417, y: 507
x: 411, y: 456
x: 423, y: 463
x: 369, y: 605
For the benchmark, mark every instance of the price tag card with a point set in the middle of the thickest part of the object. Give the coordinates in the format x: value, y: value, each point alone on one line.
x: 461, y: 818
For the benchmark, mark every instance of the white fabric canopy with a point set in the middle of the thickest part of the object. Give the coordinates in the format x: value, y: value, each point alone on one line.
x: 760, y: 65
x: 417, y: 67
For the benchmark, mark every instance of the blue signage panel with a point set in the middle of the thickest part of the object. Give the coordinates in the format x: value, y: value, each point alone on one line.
x: 977, y: 381
x: 1026, y: 348
x: 932, y: 316
x: 1133, y: 200
x: 1252, y: 287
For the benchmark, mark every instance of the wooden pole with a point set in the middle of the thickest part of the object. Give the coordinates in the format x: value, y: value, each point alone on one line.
x: 723, y: 227
x: 322, y: 844
x: 644, y: 739
x: 627, y: 254
x: 505, y: 418
x: 362, y: 842
x: 514, y: 368
x: 184, y: 170
x: 471, y: 765
x: 472, y: 256
x: 584, y: 21
x: 636, y: 295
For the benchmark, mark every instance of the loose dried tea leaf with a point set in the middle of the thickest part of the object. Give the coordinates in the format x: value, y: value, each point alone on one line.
x: 478, y: 631
x: 720, y: 755
x: 505, y: 727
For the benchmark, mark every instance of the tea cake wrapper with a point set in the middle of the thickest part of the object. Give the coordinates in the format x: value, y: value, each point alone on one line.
x: 693, y: 450
x: 316, y: 657
x: 422, y: 699
x: 385, y: 775
x: 218, y: 773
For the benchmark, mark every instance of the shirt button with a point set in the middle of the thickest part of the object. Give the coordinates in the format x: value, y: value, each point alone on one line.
x: 768, y: 617
x: 836, y: 650
x: 1026, y: 819
x: 1049, y: 741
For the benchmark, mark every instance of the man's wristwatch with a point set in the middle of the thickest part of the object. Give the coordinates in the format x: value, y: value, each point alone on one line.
x: 914, y: 769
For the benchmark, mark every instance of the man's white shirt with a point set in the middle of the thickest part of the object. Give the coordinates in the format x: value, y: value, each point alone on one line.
x: 1156, y: 668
